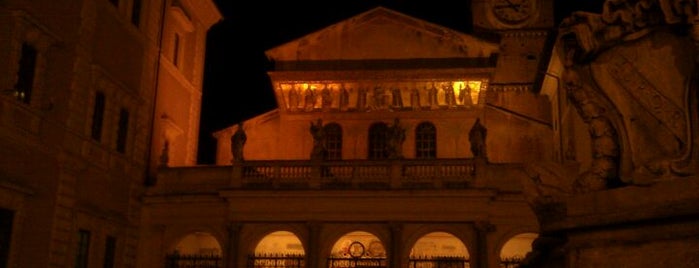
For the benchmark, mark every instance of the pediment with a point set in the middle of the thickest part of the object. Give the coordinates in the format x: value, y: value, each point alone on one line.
x: 381, y: 33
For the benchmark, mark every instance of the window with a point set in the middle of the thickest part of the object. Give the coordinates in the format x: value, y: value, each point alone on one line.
x: 81, y: 255
x: 136, y: 12
x: 109, y: 251
x: 425, y: 141
x: 122, y: 130
x: 377, y: 141
x: 333, y: 141
x: 98, y: 116
x: 6, y: 217
x: 176, y: 50
x: 25, y: 74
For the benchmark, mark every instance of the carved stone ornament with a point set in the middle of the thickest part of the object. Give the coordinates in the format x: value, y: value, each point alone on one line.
x: 641, y: 127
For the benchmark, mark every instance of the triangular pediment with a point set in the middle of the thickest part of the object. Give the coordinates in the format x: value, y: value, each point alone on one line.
x: 381, y: 33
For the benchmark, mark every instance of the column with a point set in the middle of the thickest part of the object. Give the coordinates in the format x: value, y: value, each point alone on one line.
x: 482, y: 229
x: 396, y: 258
x: 231, y: 256
x: 313, y: 257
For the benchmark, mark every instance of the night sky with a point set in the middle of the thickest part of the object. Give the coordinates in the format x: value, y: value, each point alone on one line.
x: 236, y: 86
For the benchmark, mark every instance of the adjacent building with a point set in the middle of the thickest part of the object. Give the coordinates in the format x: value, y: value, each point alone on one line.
x: 82, y: 84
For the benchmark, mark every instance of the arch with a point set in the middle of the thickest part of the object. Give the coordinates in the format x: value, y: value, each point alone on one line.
x: 198, y: 243
x: 200, y: 248
x: 378, y: 139
x: 439, y: 243
x: 280, y: 243
x: 333, y: 140
x: 176, y: 235
x: 373, y: 247
x: 425, y: 141
x: 358, y: 249
x: 516, y: 248
x: 278, y: 249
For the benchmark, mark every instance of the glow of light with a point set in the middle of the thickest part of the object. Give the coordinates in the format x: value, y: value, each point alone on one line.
x: 475, y: 87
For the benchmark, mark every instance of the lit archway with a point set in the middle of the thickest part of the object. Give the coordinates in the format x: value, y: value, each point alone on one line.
x: 439, y: 249
x: 198, y: 248
x: 199, y: 243
x: 278, y: 249
x: 515, y: 249
x: 358, y: 249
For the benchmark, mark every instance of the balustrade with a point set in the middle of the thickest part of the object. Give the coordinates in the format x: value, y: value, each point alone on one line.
x: 298, y: 174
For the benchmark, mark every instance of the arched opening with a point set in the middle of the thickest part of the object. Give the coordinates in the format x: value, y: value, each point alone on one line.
x: 357, y: 249
x: 515, y: 249
x: 378, y: 141
x: 439, y: 249
x: 196, y: 250
x: 278, y: 249
x: 426, y: 141
x: 333, y: 141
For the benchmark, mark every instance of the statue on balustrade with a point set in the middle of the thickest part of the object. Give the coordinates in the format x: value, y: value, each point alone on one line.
x: 396, y: 137
x: 477, y: 136
x: 319, y: 152
x: 237, y: 143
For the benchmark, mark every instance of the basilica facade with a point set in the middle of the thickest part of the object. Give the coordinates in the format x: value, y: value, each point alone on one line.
x: 396, y: 142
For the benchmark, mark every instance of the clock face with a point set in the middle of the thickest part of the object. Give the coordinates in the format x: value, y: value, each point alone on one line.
x: 513, y: 12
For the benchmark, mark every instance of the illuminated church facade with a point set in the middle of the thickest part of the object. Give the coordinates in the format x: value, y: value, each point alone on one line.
x: 396, y: 142
x: 394, y: 137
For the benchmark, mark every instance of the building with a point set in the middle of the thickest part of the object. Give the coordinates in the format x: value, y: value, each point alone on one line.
x: 82, y: 84
x: 396, y: 143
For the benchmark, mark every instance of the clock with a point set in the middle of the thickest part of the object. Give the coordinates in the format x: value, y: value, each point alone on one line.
x: 356, y: 249
x: 513, y: 12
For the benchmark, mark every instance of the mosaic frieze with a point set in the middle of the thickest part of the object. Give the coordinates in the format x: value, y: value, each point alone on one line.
x: 365, y: 96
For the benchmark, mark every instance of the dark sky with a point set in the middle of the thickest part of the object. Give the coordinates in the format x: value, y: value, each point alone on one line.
x: 236, y: 86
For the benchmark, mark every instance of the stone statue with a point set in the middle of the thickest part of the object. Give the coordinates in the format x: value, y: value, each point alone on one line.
x: 237, y: 143
x: 477, y: 136
x: 415, y: 99
x: 449, y: 97
x: 326, y: 97
x: 309, y: 99
x: 432, y: 97
x: 344, y: 98
x: 397, y: 98
x: 319, y: 152
x: 396, y: 137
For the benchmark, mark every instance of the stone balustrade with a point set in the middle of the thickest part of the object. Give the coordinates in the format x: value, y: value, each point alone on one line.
x: 341, y: 175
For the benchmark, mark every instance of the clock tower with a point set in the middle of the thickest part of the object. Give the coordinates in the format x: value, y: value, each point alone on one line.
x: 524, y: 27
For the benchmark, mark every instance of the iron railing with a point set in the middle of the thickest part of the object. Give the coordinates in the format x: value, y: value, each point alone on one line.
x: 438, y: 262
x: 177, y: 260
x: 339, y: 262
x: 276, y: 261
x: 512, y: 262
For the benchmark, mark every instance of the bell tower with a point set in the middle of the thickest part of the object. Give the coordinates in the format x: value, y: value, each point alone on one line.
x: 524, y: 27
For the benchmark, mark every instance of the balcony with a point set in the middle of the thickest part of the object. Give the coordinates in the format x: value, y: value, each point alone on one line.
x: 405, y: 174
